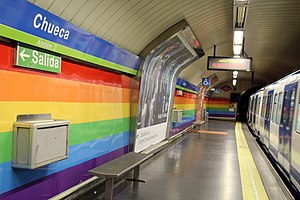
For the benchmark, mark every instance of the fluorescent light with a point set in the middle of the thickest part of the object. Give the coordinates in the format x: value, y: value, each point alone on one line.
x: 234, y: 82
x: 240, y: 2
x: 239, y: 17
x: 237, y: 49
x: 236, y: 56
x: 238, y: 37
x: 235, y: 74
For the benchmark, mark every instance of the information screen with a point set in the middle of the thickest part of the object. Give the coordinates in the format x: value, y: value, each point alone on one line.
x: 232, y: 64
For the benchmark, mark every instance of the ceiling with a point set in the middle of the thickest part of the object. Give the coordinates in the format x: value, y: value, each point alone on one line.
x: 272, y: 34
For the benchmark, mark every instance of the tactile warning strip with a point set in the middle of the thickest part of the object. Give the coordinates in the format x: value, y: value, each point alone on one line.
x: 252, y: 185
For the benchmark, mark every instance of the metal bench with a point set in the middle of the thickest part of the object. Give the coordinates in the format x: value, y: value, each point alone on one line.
x: 118, y: 167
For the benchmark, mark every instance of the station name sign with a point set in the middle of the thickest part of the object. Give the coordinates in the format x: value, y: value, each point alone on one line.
x: 231, y: 64
x: 26, y: 23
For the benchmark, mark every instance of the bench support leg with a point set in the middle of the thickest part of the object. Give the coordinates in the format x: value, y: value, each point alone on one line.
x: 136, y: 172
x: 109, y: 189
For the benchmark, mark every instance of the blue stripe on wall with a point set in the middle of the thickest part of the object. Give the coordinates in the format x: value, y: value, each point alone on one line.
x: 184, y: 120
x: 220, y: 112
x: 12, y: 178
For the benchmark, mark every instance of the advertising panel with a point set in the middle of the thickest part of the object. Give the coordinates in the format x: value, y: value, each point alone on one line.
x: 158, y: 73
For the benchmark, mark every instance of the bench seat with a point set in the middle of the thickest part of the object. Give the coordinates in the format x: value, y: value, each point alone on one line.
x: 118, y: 167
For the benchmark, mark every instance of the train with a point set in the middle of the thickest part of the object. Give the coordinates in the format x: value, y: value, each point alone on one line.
x: 274, y: 117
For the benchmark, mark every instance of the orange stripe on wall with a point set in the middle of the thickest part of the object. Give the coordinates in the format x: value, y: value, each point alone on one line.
x: 17, y: 86
x: 183, y: 100
x: 218, y: 102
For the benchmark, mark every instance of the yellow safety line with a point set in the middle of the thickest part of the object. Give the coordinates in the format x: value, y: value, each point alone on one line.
x: 212, y: 132
x: 252, y: 185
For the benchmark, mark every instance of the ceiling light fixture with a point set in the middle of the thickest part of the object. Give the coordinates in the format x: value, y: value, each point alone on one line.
x: 235, y: 74
x: 240, y: 10
x: 234, y: 82
x: 237, y: 49
x: 238, y: 37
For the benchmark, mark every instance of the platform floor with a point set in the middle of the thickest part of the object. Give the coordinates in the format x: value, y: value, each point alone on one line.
x: 203, y: 165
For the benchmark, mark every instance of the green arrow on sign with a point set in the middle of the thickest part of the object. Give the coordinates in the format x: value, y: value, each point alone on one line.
x: 23, y: 55
x: 36, y: 59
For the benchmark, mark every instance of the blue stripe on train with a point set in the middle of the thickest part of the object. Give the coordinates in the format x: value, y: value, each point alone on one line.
x: 274, y: 151
x: 295, y: 174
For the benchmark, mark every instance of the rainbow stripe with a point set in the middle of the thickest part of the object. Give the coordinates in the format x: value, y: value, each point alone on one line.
x: 186, y: 103
x: 96, y: 102
x: 219, y: 107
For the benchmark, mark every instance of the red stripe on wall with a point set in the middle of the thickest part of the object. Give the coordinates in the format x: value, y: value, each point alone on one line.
x: 71, y: 70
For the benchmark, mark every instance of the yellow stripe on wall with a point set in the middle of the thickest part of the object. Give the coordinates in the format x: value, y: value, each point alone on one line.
x: 252, y: 185
x: 184, y: 106
x: 216, y: 106
x: 74, y: 111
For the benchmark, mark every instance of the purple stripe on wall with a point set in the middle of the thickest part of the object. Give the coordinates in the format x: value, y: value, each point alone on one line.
x: 176, y: 130
x: 54, y: 184
x: 222, y: 115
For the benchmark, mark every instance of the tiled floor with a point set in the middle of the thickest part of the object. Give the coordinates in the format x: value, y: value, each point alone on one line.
x: 202, y: 166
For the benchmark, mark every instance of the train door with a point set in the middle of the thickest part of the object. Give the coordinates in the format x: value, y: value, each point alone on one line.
x: 262, y: 118
x: 254, y: 111
x: 268, y: 117
x: 274, y: 124
x: 249, y: 111
x: 295, y: 147
x: 285, y: 128
x: 257, y: 115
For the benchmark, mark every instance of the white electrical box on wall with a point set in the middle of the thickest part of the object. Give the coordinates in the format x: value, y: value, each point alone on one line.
x: 177, y: 115
x: 39, y: 140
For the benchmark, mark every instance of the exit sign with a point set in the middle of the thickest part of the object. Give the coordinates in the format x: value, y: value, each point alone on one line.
x: 35, y: 59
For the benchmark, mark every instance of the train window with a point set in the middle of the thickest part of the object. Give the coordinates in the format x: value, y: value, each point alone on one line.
x: 258, y: 106
x: 278, y: 112
x: 262, y: 114
x: 275, y: 108
x: 284, y: 118
x: 269, y: 106
x: 255, y: 105
x: 298, y: 117
x: 291, y: 108
x: 252, y: 106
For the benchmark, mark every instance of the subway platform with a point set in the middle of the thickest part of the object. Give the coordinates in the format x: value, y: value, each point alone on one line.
x: 218, y: 160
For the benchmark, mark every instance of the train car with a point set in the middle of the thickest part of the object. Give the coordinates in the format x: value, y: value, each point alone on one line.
x: 275, y: 118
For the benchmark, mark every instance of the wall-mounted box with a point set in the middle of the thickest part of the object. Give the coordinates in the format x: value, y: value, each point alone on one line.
x: 39, y: 140
x: 177, y: 115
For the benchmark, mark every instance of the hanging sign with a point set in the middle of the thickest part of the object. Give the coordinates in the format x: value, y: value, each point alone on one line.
x: 205, y: 81
x: 36, y: 59
x: 231, y: 64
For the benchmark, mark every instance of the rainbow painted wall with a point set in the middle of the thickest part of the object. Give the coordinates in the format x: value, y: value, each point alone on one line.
x: 96, y: 102
x: 219, y: 108
x: 188, y: 103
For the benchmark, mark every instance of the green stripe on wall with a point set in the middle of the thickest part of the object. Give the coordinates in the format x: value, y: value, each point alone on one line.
x: 26, y: 38
x: 185, y: 89
x: 5, y: 146
x: 84, y: 132
x: 217, y: 109
x: 79, y: 133
x: 187, y: 113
